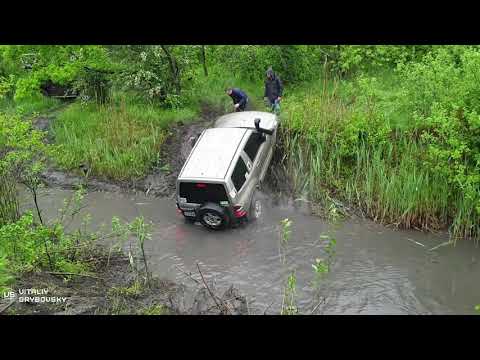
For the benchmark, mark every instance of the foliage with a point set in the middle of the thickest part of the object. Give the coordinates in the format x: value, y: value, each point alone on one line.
x: 134, y: 290
x: 322, y: 266
x: 5, y: 278
x: 352, y: 59
x: 293, y: 63
x: 285, y: 231
x: 23, y: 155
x: 289, y: 305
x: 403, y: 148
x: 31, y: 66
x: 22, y: 148
x: 441, y: 93
x: 28, y: 246
x: 7, y: 87
x: 155, y: 310
x: 158, y: 72
x: 140, y: 230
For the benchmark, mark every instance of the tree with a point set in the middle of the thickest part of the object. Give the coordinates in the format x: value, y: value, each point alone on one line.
x: 174, y: 70
x: 204, y: 60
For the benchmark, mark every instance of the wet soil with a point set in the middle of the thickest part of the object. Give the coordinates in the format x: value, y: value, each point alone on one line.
x: 109, y: 292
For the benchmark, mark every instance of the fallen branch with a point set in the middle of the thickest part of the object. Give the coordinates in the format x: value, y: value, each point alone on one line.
x: 415, y: 242
x: 268, y: 307
x: 188, y: 274
x: 442, y: 244
x: 210, y: 291
x: 316, y: 307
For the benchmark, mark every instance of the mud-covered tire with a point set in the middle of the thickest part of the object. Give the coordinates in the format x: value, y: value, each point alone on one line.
x: 256, y: 208
x: 213, y: 216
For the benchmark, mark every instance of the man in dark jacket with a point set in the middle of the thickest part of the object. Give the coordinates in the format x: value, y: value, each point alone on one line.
x: 240, y: 99
x: 273, y: 90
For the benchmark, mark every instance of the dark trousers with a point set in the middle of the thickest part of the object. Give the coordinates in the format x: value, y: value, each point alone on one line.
x: 242, y: 107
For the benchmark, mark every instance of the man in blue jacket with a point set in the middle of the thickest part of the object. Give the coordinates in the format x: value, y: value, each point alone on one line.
x: 273, y: 90
x: 240, y: 99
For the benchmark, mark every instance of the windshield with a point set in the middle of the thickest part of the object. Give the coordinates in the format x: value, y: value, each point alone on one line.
x: 200, y: 193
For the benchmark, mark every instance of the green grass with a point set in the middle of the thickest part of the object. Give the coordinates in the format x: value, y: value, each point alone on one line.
x: 118, y: 141
x: 155, y: 310
x: 29, y: 106
x: 384, y: 176
x: 211, y: 89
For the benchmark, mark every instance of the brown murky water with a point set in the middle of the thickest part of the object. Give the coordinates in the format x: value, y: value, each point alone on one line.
x: 376, y: 271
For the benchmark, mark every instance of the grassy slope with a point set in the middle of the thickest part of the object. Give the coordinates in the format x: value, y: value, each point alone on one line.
x: 116, y: 142
x: 382, y: 175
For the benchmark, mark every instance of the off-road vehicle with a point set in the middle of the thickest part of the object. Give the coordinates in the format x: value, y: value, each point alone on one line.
x: 218, y: 184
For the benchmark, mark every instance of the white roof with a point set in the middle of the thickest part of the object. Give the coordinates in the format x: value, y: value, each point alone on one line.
x: 246, y: 119
x: 212, y: 154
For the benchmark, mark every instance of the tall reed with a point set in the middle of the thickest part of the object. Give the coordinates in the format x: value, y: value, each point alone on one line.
x: 385, y: 179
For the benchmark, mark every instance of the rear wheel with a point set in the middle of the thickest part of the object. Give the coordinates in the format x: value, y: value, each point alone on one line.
x: 213, y: 216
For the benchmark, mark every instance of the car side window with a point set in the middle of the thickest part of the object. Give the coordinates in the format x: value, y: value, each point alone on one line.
x: 253, y: 145
x: 240, y: 173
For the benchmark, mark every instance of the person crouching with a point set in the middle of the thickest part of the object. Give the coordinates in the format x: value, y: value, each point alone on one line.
x: 240, y: 99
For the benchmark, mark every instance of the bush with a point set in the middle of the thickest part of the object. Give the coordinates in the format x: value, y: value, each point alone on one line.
x: 26, y: 246
x: 32, y: 66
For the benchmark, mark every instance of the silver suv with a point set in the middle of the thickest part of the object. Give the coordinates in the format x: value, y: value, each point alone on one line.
x: 218, y: 183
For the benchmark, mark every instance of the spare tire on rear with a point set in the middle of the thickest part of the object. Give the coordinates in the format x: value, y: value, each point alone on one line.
x: 213, y: 216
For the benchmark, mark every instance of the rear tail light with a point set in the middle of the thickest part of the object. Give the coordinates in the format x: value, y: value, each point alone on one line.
x: 238, y: 211
x: 201, y: 186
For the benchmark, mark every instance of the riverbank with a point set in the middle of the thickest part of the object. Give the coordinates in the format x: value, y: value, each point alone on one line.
x: 114, y: 289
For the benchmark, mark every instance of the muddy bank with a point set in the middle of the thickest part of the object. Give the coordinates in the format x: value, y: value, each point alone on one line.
x: 160, y: 181
x: 114, y: 289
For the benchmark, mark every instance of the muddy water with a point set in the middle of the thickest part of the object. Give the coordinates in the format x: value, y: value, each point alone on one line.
x: 377, y: 270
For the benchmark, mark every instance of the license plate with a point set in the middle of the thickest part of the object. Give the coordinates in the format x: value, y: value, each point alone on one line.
x: 190, y: 213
